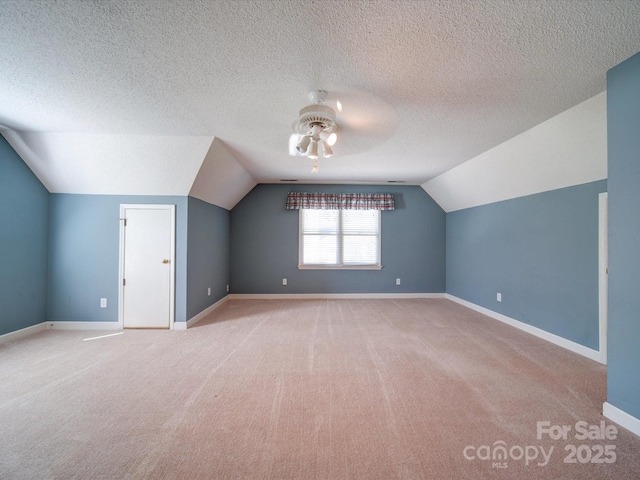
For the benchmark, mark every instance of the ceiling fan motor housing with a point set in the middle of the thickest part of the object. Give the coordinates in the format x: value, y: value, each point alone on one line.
x: 320, y: 115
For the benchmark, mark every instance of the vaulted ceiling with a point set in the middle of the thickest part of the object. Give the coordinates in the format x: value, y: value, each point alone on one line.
x: 195, y: 97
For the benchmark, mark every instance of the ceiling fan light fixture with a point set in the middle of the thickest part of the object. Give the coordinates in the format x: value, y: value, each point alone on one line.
x: 326, y: 149
x: 303, y: 144
x: 329, y: 138
x: 312, y: 151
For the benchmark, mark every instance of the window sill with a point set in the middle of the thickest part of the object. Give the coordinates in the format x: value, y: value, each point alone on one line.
x: 339, y: 267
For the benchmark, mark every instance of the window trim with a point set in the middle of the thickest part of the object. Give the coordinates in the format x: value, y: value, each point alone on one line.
x: 311, y: 266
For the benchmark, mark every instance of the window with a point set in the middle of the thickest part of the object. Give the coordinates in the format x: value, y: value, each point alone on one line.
x: 348, y: 239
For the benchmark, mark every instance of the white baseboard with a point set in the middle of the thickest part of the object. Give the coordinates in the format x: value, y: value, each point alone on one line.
x: 621, y: 417
x: 40, y: 327
x: 315, y: 296
x: 83, y: 325
x: 538, y: 332
x: 196, y: 318
x: 23, y: 332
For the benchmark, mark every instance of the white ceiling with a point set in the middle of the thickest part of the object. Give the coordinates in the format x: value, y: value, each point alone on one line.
x: 91, y: 90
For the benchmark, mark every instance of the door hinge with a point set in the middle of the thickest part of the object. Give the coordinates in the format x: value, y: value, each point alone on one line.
x: 124, y: 282
x: 125, y: 221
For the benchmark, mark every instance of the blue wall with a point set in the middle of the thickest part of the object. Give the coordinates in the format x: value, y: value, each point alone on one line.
x: 540, y: 252
x: 24, y: 206
x: 623, y: 120
x: 207, y: 255
x: 264, y: 245
x: 84, y: 244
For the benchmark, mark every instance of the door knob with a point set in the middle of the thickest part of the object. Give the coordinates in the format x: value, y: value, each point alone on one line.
x: 165, y: 261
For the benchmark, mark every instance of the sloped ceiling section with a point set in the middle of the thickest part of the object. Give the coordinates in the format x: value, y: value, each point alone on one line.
x: 221, y: 180
x: 112, y: 164
x: 569, y: 149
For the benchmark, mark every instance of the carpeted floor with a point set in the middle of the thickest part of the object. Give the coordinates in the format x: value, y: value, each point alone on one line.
x: 307, y: 389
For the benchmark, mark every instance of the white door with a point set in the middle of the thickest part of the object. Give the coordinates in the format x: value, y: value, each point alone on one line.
x: 147, y: 265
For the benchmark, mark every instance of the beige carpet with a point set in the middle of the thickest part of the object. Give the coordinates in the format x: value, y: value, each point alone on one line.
x: 315, y: 389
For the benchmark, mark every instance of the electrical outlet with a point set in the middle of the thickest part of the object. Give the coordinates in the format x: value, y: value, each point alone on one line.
x: 284, y: 281
x: 103, y: 303
x: 209, y: 291
x: 227, y: 288
x: 499, y: 297
x: 397, y: 281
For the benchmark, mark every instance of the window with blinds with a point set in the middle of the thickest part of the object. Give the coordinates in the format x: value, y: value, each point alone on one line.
x: 339, y: 239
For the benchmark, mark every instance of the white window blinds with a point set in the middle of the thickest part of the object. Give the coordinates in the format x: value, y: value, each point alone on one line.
x: 339, y: 238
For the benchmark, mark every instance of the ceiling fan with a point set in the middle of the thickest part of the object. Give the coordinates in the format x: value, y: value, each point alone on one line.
x: 315, y: 131
x: 362, y: 120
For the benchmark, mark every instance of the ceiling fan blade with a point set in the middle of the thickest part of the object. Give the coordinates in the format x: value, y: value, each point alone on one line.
x: 367, y: 113
x: 365, y: 121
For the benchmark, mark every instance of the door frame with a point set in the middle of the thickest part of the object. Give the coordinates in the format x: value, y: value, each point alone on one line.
x: 172, y: 280
x: 603, y: 273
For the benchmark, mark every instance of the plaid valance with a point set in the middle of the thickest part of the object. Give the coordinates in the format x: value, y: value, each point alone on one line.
x: 340, y: 201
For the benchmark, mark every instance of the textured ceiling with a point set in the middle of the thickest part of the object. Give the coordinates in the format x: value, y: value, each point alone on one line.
x: 425, y: 85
